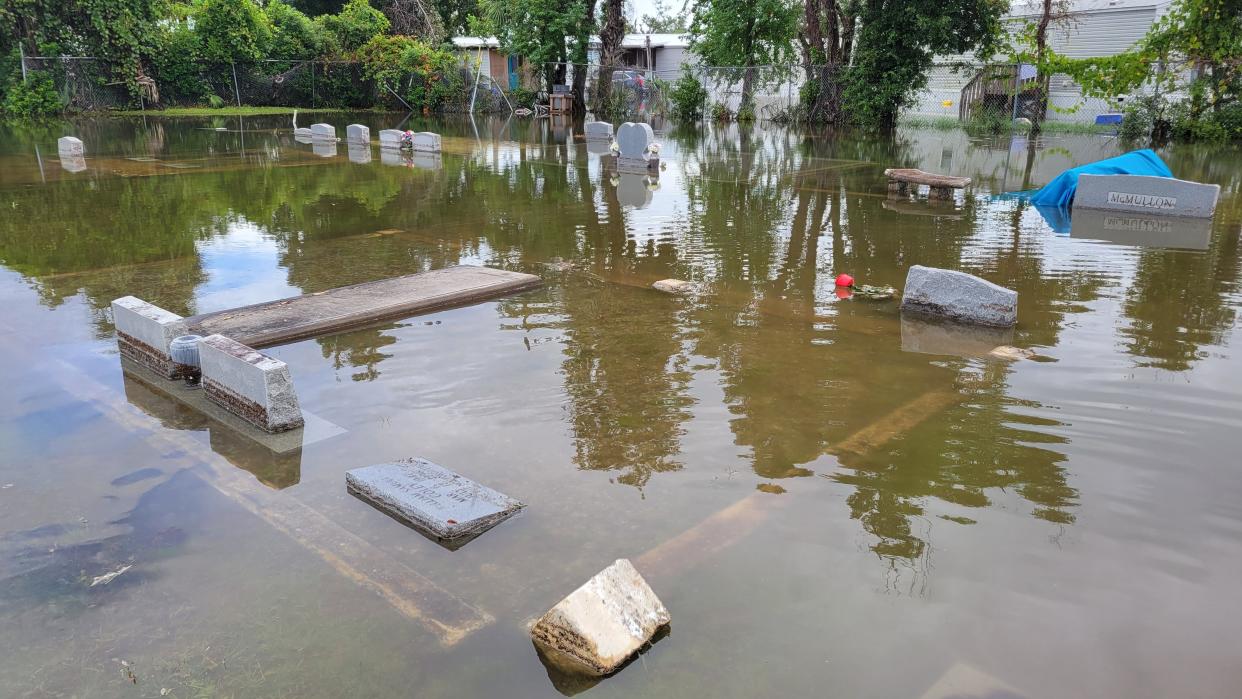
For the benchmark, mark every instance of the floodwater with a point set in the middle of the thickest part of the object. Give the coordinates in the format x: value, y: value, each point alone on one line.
x: 833, y: 501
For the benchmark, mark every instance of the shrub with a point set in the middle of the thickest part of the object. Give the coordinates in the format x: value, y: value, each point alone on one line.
x: 356, y: 24
x: 232, y: 30
x: 688, y: 95
x: 429, y: 77
x: 175, y: 67
x: 721, y: 112
x: 294, y: 35
x: 34, y: 99
x: 522, y: 97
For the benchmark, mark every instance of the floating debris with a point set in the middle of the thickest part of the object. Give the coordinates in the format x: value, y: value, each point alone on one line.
x: 874, y: 293
x: 109, y: 577
x: 1010, y: 352
x: 771, y: 488
x: 673, y: 286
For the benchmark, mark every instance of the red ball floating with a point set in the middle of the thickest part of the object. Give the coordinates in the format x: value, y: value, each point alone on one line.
x: 845, y: 280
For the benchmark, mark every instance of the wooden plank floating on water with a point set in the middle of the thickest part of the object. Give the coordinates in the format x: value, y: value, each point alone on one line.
x: 335, y: 310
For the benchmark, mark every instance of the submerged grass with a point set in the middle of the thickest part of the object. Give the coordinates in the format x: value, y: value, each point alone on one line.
x: 232, y: 111
x: 951, y: 123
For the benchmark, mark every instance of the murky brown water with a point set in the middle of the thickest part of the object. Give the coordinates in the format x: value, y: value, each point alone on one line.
x: 825, y: 510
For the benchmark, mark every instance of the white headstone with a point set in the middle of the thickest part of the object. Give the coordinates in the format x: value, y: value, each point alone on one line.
x: 602, y: 624
x: 633, y: 139
x: 359, y: 153
x: 357, y: 133
x: 427, y: 142
x: 390, y: 138
x: 144, y: 332
x: 319, y: 131
x: 69, y: 146
x: 1147, y: 195
x: 249, y: 384
x: 958, y: 296
x: 598, y: 131
x: 445, y: 505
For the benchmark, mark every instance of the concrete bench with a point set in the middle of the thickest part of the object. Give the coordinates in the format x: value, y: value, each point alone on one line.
x: 938, y: 186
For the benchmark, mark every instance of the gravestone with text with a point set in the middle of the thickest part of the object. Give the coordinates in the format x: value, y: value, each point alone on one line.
x: 598, y: 131
x: 358, y: 133
x: 1144, y: 194
x: 442, y: 504
x: 634, y: 141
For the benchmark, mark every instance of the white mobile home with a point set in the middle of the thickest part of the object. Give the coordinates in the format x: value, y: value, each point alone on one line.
x: 1089, y: 29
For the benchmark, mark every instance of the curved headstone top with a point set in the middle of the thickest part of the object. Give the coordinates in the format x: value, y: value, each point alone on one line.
x: 634, y: 138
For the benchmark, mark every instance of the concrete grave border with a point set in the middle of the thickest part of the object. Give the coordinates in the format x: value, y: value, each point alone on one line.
x: 249, y: 384
x: 144, y: 331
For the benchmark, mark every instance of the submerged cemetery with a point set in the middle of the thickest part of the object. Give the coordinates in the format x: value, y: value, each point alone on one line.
x: 541, y: 407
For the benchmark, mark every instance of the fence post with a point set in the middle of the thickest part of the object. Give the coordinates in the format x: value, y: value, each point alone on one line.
x: 236, y: 89
x: 1017, y: 91
x: 22, y: 50
x: 313, y: 102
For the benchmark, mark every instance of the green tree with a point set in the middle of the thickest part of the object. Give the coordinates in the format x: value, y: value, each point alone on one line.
x: 294, y: 35
x: 744, y: 33
x: 665, y: 20
x: 828, y: 43
x: 233, y: 30
x: 355, y: 25
x: 1208, y: 33
x: 548, y: 33
x: 896, y: 43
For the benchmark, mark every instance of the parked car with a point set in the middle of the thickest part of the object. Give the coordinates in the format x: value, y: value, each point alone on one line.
x: 629, y: 79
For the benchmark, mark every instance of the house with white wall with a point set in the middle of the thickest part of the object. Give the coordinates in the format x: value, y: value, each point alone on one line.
x: 1087, y: 29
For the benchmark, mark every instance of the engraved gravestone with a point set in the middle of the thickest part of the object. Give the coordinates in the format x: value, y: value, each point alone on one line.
x: 442, y: 504
x: 390, y: 138
x: 633, y: 140
x: 323, y: 131
x: 69, y: 146
x: 427, y: 142
x: 1145, y: 194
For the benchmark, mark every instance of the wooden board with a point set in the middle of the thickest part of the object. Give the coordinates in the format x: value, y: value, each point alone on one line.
x: 913, y: 176
x: 346, y: 307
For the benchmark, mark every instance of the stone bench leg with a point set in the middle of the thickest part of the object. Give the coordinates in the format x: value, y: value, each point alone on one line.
x: 898, y: 189
x: 940, y: 193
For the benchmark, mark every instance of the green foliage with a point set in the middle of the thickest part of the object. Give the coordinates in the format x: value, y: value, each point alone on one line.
x: 721, y: 112
x: 544, y: 32
x: 897, y: 42
x: 215, y: 101
x: 522, y: 97
x: 294, y: 35
x: 744, y: 33
x: 430, y: 77
x: 688, y: 95
x: 987, y: 122
x: 456, y: 14
x: 34, y: 99
x: 232, y: 30
x: 355, y: 25
x: 175, y: 67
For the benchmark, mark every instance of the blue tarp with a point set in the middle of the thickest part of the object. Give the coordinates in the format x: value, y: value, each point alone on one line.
x: 1060, y: 192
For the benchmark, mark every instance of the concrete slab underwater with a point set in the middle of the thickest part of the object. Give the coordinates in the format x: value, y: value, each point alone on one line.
x: 348, y: 307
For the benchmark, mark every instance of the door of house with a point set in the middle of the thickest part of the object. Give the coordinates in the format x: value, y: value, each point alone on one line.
x: 513, y: 72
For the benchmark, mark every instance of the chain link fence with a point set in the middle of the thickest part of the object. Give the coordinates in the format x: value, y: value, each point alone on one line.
x: 955, y: 90
x: 90, y: 84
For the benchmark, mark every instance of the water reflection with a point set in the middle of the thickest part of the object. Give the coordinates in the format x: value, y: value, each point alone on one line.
x: 762, y: 218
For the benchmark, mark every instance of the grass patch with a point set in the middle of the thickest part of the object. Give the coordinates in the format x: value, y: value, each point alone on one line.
x: 230, y: 111
x: 952, y: 123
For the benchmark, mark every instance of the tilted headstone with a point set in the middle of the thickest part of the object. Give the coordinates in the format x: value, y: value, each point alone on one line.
x: 390, y: 138
x: 598, y: 131
x: 319, y: 131
x: 359, y: 153
x: 144, y: 332
x: 599, y: 626
x: 958, y: 296
x: 1145, y: 194
x: 357, y: 133
x: 427, y: 142
x: 68, y: 146
x: 249, y: 384
x: 442, y: 504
